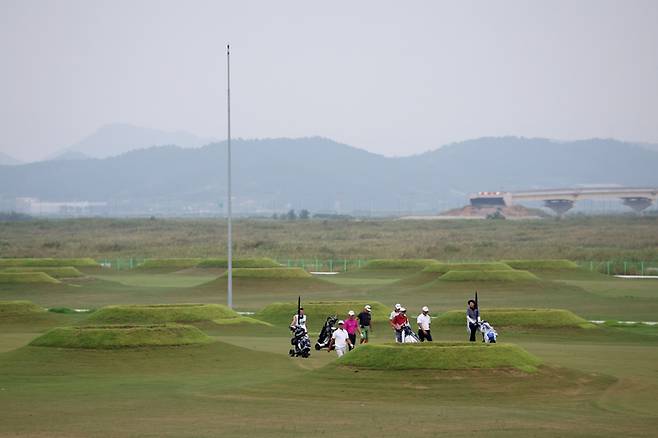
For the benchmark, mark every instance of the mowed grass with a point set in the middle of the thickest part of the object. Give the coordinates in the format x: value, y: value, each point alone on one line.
x: 269, y: 273
x: 441, y: 355
x: 47, y: 262
x: 511, y: 317
x: 122, y: 336
x: 55, y: 272
x: 442, y: 268
x: 167, y: 313
x: 26, y: 278
x: 542, y: 265
x: 486, y: 276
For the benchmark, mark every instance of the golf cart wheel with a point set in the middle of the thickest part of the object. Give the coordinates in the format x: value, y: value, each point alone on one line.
x: 317, y: 347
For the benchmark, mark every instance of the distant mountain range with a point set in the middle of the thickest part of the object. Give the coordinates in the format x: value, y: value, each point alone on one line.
x: 119, y: 138
x: 7, y: 160
x: 318, y: 174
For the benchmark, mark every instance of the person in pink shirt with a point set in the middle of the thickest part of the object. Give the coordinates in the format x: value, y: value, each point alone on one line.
x: 352, y: 327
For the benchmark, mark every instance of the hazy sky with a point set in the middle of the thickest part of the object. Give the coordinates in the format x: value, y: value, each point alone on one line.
x: 393, y: 77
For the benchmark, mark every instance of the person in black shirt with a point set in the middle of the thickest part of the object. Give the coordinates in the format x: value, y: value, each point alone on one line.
x: 364, y: 323
x: 472, y: 319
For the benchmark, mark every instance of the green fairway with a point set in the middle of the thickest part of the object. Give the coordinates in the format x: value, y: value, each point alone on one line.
x: 126, y: 370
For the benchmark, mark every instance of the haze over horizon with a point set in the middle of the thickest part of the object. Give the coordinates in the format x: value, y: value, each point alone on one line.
x: 390, y: 78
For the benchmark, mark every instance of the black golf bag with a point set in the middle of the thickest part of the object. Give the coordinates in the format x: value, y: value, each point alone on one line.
x: 301, y: 344
x: 326, y: 332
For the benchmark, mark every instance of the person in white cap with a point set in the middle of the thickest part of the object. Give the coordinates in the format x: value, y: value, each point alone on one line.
x: 352, y: 327
x: 424, y: 320
x: 391, y: 317
x: 340, y: 340
x: 365, y: 318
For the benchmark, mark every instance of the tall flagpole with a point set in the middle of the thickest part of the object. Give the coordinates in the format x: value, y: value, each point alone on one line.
x: 230, y: 231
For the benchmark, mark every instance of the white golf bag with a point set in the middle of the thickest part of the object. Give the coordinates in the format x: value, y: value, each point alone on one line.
x: 489, y: 334
x: 408, y: 335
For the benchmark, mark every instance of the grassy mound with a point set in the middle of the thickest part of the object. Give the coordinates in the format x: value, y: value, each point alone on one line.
x: 262, y: 262
x: 442, y: 268
x: 541, y: 318
x: 26, y: 278
x: 166, y: 313
x: 19, y: 308
x: 317, y: 312
x: 269, y: 273
x: 399, y: 263
x: 182, y: 263
x: 46, y: 262
x: 442, y: 356
x: 542, y: 265
x: 121, y: 336
x: 511, y: 275
x: 55, y: 272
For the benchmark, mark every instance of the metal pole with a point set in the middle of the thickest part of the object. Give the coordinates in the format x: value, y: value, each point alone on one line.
x: 230, y: 230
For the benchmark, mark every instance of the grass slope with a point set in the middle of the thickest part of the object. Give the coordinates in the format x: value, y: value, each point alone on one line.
x: 19, y: 308
x: 55, y: 272
x: 121, y: 336
x: 166, y: 313
x: 178, y: 263
x: 269, y: 273
x: 541, y: 265
x: 442, y: 268
x: 506, y: 317
x: 505, y: 275
x: 399, y: 263
x: 47, y: 262
x: 443, y: 356
x: 317, y: 311
x: 262, y: 262
x: 26, y: 278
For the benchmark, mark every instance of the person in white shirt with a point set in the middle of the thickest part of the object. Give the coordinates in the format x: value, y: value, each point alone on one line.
x: 393, y: 314
x: 340, y: 340
x: 298, y: 321
x: 424, y: 320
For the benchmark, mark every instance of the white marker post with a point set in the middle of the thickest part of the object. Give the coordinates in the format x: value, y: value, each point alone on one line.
x: 230, y: 231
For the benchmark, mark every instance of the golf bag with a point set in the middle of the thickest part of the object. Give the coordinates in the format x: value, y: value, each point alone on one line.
x: 408, y: 335
x: 489, y: 335
x: 301, y: 344
x: 326, y: 332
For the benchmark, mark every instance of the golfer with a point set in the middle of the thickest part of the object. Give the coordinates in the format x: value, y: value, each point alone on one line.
x: 298, y: 319
x: 352, y: 327
x: 424, y: 320
x: 340, y: 340
x: 365, y: 318
x: 394, y: 313
x: 399, y: 321
x: 472, y: 319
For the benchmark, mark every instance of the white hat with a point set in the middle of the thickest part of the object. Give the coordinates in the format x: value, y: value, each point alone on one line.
x: 402, y: 309
x: 351, y: 313
x: 367, y: 307
x: 425, y: 309
x: 398, y: 306
x: 341, y: 322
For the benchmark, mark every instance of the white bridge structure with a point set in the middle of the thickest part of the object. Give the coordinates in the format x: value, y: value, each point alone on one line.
x: 562, y: 200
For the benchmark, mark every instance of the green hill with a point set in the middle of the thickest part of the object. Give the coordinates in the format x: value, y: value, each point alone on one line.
x: 122, y: 336
x: 442, y: 268
x: 399, y: 263
x: 542, y: 265
x: 47, y: 262
x: 504, y: 275
x: 26, y: 278
x: 439, y: 355
x: 269, y: 273
x: 55, y: 272
x: 506, y: 317
x: 317, y: 311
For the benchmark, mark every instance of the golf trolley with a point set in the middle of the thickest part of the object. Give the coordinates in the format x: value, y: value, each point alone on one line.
x: 325, y: 334
x: 301, y: 344
x: 489, y: 334
x: 408, y: 335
